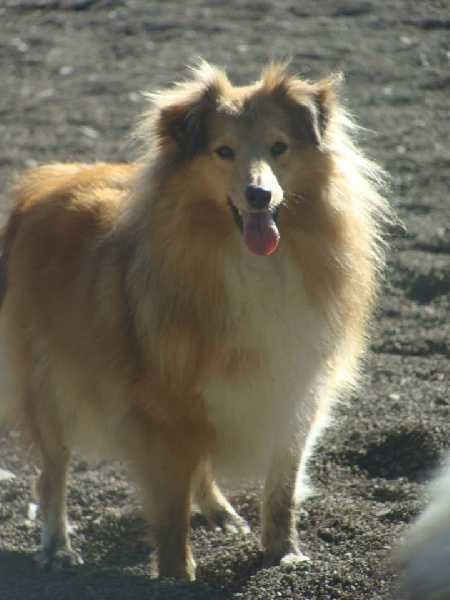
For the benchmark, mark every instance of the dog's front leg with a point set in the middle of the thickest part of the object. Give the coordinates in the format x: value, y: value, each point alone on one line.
x: 166, y: 487
x: 171, y: 527
x: 164, y: 461
x: 279, y: 510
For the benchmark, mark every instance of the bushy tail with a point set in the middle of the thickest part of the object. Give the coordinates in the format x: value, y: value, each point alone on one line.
x: 2, y: 278
x: 8, y: 380
x: 20, y: 193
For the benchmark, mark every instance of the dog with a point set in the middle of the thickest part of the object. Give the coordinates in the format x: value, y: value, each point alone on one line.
x: 424, y: 554
x: 195, y: 312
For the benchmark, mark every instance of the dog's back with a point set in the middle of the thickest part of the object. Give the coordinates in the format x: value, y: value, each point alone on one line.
x: 60, y: 214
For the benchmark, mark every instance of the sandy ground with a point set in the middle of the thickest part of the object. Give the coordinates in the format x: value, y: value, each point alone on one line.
x: 71, y: 71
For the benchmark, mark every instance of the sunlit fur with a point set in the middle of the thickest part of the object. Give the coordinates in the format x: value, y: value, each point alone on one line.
x: 424, y: 552
x: 137, y: 322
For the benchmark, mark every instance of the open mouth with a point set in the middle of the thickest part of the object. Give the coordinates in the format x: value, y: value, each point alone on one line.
x: 259, y: 228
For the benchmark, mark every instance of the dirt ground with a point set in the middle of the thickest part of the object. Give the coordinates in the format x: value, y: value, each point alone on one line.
x: 71, y: 73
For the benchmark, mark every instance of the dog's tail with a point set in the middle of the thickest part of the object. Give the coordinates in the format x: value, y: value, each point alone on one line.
x: 7, y: 236
x: 9, y: 416
x: 2, y: 278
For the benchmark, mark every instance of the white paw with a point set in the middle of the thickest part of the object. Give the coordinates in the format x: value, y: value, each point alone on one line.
x: 294, y: 558
x: 56, y: 560
x: 231, y: 524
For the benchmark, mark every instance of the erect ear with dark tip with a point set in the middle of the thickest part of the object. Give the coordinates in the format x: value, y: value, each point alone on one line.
x: 187, y: 126
x: 310, y: 111
x: 323, y: 100
x: 185, y: 121
x: 307, y: 124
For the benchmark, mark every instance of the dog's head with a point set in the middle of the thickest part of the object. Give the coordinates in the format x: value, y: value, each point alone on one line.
x: 248, y: 149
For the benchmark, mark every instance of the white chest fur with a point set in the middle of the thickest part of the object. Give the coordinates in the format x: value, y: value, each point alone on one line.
x: 256, y: 412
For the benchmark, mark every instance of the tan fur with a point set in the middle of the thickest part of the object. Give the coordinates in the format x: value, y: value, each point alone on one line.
x: 138, y: 323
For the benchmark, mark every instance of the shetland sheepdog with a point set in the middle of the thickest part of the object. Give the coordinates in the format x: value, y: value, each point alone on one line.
x: 196, y: 312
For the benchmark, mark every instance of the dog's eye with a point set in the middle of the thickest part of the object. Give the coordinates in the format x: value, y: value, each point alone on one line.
x: 278, y: 149
x: 225, y: 152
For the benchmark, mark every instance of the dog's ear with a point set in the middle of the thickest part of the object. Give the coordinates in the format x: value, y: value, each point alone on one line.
x: 183, y: 114
x: 310, y: 109
x: 309, y: 106
x: 186, y: 124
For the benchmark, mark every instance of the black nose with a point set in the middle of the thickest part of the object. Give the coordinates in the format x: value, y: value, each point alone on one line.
x: 257, y: 197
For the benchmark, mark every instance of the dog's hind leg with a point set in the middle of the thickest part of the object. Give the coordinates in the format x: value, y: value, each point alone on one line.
x: 213, y: 505
x: 56, y: 552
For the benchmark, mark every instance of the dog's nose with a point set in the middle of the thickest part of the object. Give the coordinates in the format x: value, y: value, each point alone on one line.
x: 257, y: 197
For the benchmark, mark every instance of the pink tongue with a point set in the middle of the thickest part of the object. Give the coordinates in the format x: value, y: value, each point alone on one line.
x: 261, y: 235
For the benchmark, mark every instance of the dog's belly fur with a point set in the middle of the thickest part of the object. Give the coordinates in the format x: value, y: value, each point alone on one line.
x: 255, y: 413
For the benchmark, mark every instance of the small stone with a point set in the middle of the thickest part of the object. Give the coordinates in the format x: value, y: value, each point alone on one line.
x: 6, y: 475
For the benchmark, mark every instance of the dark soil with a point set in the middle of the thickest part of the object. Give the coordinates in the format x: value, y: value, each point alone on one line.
x: 71, y: 72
